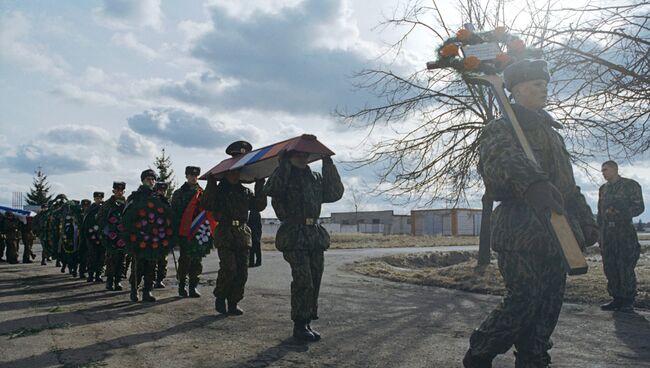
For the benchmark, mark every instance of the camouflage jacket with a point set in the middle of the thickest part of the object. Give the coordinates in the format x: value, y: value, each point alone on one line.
x: 618, y: 203
x: 11, y: 227
x: 228, y: 203
x: 297, y: 195
x: 507, y: 173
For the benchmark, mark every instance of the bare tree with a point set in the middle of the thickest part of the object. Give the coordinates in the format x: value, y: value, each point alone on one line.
x: 600, y: 58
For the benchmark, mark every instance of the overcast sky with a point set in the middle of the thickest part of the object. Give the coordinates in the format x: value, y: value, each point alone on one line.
x: 92, y: 90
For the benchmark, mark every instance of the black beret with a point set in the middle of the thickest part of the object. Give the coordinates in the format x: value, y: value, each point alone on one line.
x: 238, y: 148
x: 85, y: 202
x: 192, y: 170
x: 148, y: 173
x: 161, y: 185
x: 98, y: 194
x: 525, y: 70
x: 119, y: 185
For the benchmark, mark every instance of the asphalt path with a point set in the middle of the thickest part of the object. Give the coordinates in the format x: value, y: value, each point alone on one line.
x: 49, y: 319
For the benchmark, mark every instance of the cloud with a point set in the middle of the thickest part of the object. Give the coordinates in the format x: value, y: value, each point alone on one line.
x: 298, y: 59
x: 18, y: 48
x: 185, y: 129
x: 63, y: 150
x: 127, y: 14
x: 132, y: 144
x: 77, y: 134
x: 129, y: 41
x: 75, y: 94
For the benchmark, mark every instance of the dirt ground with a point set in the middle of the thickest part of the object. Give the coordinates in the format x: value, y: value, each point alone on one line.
x: 364, y: 241
x: 457, y: 270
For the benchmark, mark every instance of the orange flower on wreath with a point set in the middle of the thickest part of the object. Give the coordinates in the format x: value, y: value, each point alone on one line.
x: 516, y: 45
x: 463, y: 35
x: 449, y: 50
x: 471, y: 63
x: 499, y: 32
x: 503, y: 58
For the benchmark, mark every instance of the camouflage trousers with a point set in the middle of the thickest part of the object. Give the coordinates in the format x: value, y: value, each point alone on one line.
x: 619, y: 260
x: 27, y: 251
x: 3, y: 245
x: 12, y: 249
x: 188, y: 265
x: 161, y: 268
x: 528, y: 312
x: 95, y: 259
x: 233, y: 274
x: 114, y: 261
x: 306, y: 271
x: 145, y: 269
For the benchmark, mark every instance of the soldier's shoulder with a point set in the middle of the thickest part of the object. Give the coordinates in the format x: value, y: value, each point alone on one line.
x: 497, y: 126
x: 630, y: 182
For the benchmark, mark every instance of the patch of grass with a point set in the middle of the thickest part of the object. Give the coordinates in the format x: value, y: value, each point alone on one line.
x: 457, y: 270
x: 359, y: 241
x: 29, y: 331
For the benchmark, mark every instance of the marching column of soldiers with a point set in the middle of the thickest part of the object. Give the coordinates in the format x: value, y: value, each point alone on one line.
x: 226, y: 216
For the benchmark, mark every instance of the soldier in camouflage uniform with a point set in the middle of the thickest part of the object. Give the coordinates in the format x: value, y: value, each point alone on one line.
x: 297, y: 195
x: 230, y: 202
x: 27, y: 233
x: 619, y: 200
x: 161, y: 265
x: 11, y: 227
x: 530, y: 260
x: 144, y: 268
x: 91, y: 240
x: 3, y: 243
x: 188, y: 265
x: 39, y: 226
x: 113, y: 257
x: 82, y: 253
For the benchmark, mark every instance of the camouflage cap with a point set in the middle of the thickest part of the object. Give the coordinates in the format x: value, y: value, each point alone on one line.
x: 148, y: 173
x: 85, y: 202
x: 525, y: 70
x: 161, y: 185
x: 98, y: 194
x: 119, y: 185
x: 192, y: 170
x: 238, y: 148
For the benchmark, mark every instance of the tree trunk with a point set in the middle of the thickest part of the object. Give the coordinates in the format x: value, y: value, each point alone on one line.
x: 484, y: 239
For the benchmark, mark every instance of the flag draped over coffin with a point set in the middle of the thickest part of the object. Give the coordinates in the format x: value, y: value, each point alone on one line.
x: 261, y: 162
x: 22, y: 215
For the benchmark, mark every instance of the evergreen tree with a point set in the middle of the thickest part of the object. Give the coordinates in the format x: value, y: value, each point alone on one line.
x: 39, y: 193
x: 163, y: 164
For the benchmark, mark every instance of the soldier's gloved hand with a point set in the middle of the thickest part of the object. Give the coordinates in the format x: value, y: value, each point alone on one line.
x: 543, y: 195
x: 591, y: 234
x: 327, y: 160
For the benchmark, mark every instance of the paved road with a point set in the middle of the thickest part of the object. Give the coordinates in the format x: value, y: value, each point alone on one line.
x: 365, y: 322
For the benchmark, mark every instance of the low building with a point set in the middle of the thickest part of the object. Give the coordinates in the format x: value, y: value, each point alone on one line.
x: 373, y: 222
x: 446, y: 222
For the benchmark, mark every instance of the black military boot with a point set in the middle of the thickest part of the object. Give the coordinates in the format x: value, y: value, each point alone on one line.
x: 147, y: 296
x: 627, y: 305
x: 43, y: 263
x: 159, y: 285
x: 134, y: 294
x: 98, y: 277
x: 220, y: 305
x: 301, y: 332
x: 313, y: 332
x: 109, y: 283
x: 58, y: 264
x: 234, y: 310
x: 194, y: 292
x: 473, y: 361
x: 182, y: 291
x: 90, y: 277
x: 73, y: 271
x: 613, y: 305
x: 116, y: 284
